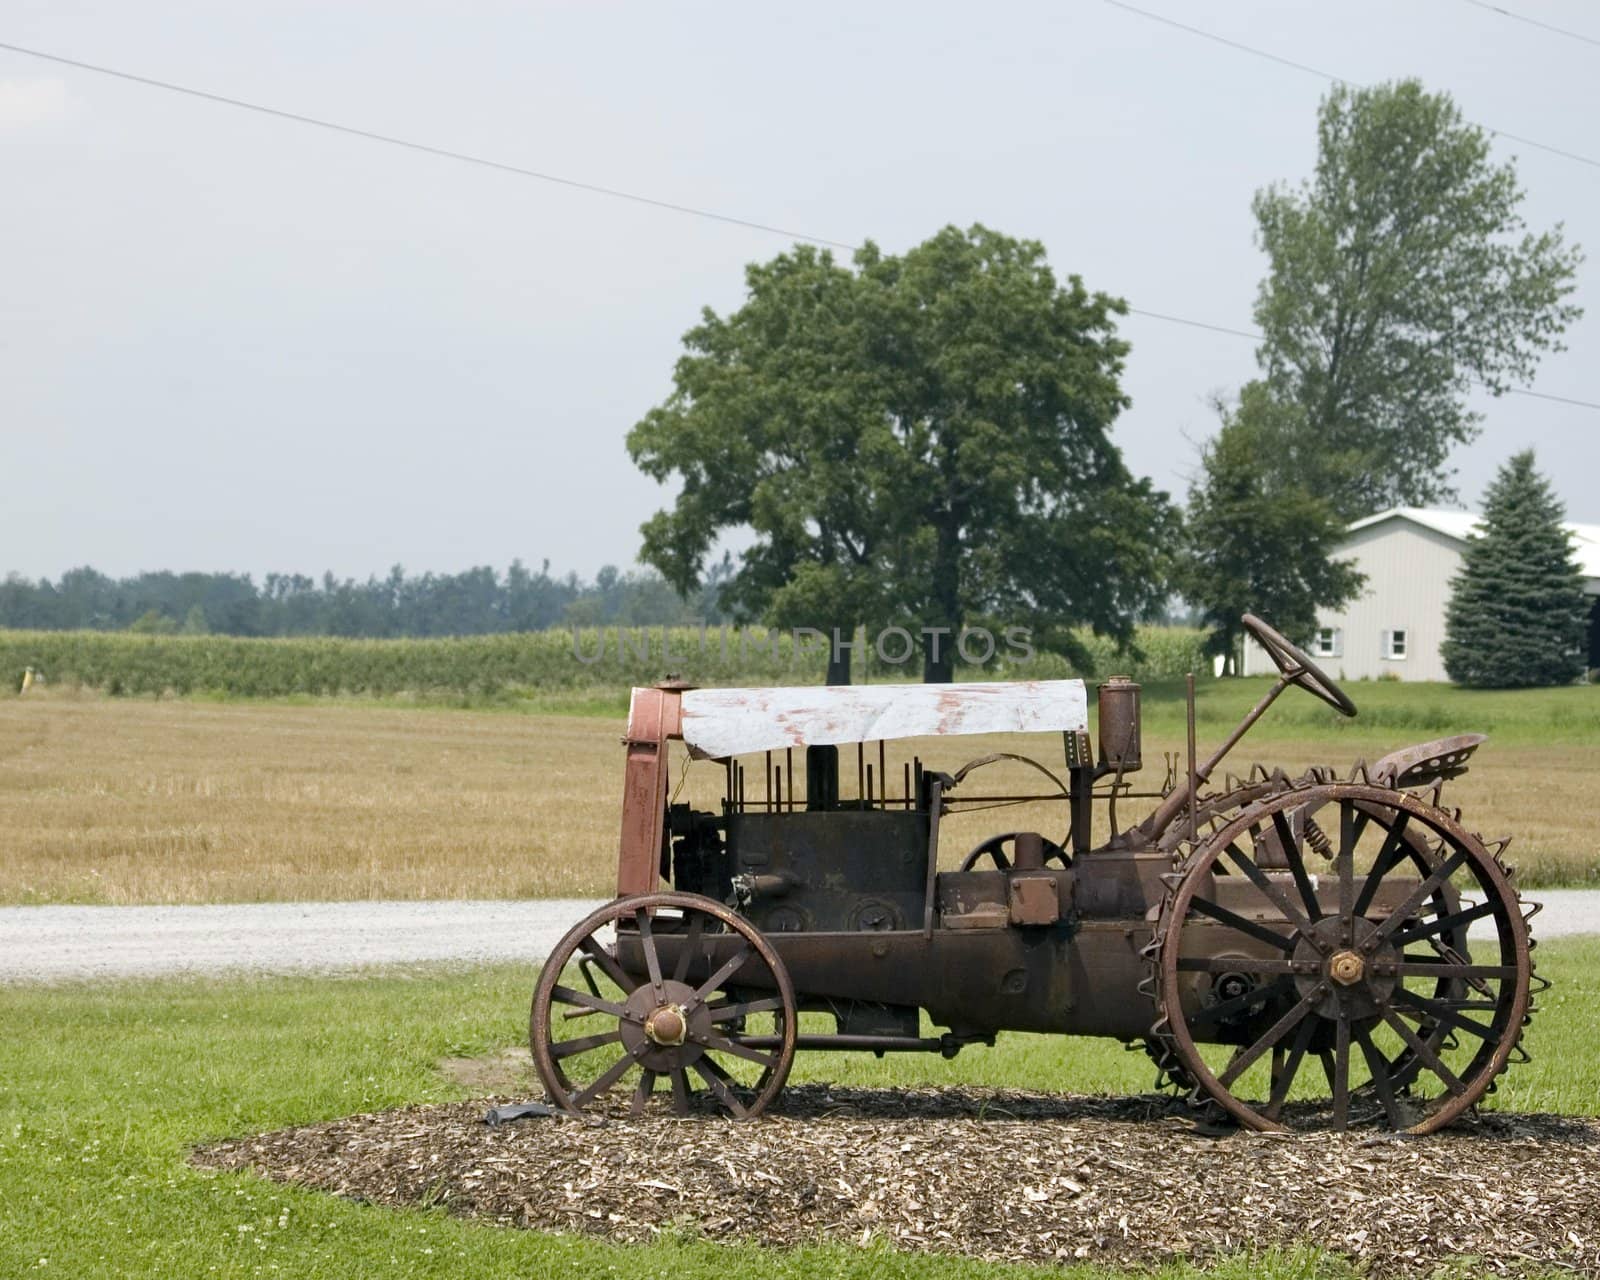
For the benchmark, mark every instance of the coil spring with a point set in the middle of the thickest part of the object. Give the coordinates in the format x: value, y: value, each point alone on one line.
x: 1317, y: 838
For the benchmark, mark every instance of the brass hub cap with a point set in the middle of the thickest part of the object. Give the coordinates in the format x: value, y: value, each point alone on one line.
x: 1346, y: 968
x: 668, y: 1026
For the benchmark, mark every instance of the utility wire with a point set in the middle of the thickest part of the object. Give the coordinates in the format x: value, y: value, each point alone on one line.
x: 423, y: 147
x: 1533, y: 22
x: 619, y: 194
x: 1540, y: 395
x: 1196, y: 324
x: 1261, y: 337
x: 1330, y: 76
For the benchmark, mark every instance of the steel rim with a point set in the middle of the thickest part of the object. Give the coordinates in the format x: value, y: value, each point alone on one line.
x: 1337, y: 986
x: 600, y: 1035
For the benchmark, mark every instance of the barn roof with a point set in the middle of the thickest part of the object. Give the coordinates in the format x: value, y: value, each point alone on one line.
x: 1460, y: 524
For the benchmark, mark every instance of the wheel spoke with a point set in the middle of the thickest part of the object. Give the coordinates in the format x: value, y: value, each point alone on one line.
x: 1450, y: 969
x: 647, y: 942
x: 641, y: 1095
x: 609, y: 964
x: 1423, y: 1050
x: 1239, y: 924
x: 1292, y: 854
x: 1466, y: 1004
x: 712, y: 1075
x: 582, y: 1044
x: 1238, y: 1004
x: 721, y: 1044
x: 1270, y: 891
x: 1445, y: 1014
x: 1275, y: 1033
x: 1283, y: 1080
x: 689, y: 945
x: 569, y: 995
x: 728, y: 1012
x: 1460, y: 918
x: 1438, y: 876
x: 1378, y: 1065
x: 1352, y: 822
x: 680, y: 1091
x: 1383, y: 863
x: 1341, y: 1069
x: 734, y: 964
x: 601, y: 1083
x: 1344, y: 863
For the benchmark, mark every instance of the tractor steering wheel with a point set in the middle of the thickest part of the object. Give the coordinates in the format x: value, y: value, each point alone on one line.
x: 1296, y: 667
x: 990, y: 848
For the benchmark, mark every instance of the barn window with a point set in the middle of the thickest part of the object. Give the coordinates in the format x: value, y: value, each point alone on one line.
x: 1394, y: 643
x: 1327, y: 642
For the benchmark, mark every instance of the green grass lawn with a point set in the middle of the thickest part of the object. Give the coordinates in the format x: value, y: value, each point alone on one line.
x: 105, y: 1086
x: 1412, y: 711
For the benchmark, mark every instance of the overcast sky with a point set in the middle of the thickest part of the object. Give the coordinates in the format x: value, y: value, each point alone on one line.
x: 233, y: 342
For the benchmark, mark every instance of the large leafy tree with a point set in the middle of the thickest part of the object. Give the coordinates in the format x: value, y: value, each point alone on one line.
x: 922, y: 440
x: 1255, y: 541
x: 1400, y: 274
x: 1518, y: 614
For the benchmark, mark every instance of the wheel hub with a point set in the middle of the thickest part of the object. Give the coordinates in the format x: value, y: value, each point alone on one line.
x: 668, y: 1025
x: 663, y: 1026
x: 1356, y: 984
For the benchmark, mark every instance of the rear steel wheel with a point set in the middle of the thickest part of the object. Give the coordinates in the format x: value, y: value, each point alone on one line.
x: 1366, y: 971
x: 630, y: 998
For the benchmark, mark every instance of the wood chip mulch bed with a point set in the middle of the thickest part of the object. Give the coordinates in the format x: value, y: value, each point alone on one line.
x: 1000, y: 1175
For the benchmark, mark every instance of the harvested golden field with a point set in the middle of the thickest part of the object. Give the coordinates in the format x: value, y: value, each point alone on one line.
x: 133, y: 800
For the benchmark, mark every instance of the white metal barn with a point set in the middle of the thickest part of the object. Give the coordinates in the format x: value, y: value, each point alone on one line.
x: 1396, y: 626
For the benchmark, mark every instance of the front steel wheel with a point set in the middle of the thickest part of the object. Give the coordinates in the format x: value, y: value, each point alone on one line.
x: 663, y: 987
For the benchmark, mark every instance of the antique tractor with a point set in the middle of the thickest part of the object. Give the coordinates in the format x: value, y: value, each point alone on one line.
x: 1293, y: 951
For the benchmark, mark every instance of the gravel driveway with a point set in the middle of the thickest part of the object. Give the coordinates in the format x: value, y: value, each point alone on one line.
x: 63, y: 943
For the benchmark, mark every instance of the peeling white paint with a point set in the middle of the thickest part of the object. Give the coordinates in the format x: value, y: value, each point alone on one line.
x: 730, y: 722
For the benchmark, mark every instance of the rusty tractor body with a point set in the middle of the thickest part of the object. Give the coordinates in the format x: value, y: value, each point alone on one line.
x: 1291, y: 951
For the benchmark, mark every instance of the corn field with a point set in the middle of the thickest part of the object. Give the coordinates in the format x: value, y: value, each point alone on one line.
x: 504, y: 666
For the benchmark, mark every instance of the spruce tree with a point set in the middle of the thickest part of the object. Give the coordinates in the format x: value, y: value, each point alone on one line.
x: 1518, y: 613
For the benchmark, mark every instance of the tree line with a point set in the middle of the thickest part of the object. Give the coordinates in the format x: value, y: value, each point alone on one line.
x: 478, y: 601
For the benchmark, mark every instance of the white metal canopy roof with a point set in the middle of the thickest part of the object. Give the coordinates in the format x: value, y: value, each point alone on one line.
x: 730, y: 722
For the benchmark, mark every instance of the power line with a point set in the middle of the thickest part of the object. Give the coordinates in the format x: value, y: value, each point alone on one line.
x: 1260, y: 337
x: 1196, y: 324
x: 619, y: 194
x: 423, y: 147
x: 1540, y: 395
x: 1533, y: 22
x: 1331, y: 77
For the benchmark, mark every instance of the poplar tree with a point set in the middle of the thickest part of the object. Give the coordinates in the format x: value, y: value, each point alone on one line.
x: 1400, y: 276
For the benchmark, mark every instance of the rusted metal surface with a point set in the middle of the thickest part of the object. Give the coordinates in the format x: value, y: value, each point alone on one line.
x: 662, y: 1014
x: 1117, y: 711
x: 1035, y: 899
x: 1262, y: 939
x: 729, y: 722
x: 1428, y: 762
x: 654, y: 717
x: 1325, y: 979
